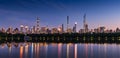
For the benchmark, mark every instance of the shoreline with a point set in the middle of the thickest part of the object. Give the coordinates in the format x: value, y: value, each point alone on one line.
x: 63, y: 38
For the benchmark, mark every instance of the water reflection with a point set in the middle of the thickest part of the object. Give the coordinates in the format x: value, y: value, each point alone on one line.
x: 60, y: 50
x: 16, y: 45
x: 26, y: 50
x: 2, y: 45
x: 68, y: 50
x: 86, y: 50
x: 31, y: 55
x: 75, y: 53
x: 21, y: 51
x: 91, y: 50
x: 105, y: 50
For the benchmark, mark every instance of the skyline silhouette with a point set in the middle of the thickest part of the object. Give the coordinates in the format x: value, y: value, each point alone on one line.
x: 53, y: 13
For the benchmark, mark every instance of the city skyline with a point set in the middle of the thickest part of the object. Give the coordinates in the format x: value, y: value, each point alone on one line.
x: 37, y: 29
x: 53, y: 13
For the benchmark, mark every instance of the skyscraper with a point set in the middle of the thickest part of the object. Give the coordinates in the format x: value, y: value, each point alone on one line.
x: 84, y: 21
x: 67, y: 23
x: 74, y: 27
x: 26, y: 29
x: 85, y: 26
x: 62, y: 28
x: 37, y: 25
x: 21, y: 28
x: 33, y: 29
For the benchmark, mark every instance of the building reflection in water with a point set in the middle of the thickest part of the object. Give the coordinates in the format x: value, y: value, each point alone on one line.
x: 15, y: 45
x: 86, y: 50
x: 26, y: 50
x: 31, y: 51
x: 75, y: 51
x: 59, y: 50
x: 105, y: 50
x: 99, y: 49
x: 37, y: 50
x: 2, y: 45
x: 91, y: 51
x: 34, y: 50
x: 46, y: 49
x: 21, y: 51
x: 9, y: 48
x: 68, y: 50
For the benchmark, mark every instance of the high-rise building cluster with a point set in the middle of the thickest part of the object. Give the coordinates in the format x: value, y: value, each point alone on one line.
x: 37, y: 29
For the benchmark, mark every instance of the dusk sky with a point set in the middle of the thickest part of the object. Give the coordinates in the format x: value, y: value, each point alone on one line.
x: 54, y: 12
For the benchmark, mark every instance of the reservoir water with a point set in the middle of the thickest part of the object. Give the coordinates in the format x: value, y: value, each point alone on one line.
x: 59, y: 50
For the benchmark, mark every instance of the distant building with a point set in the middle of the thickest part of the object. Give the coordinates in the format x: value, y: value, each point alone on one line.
x: 67, y: 23
x: 101, y: 29
x: 44, y: 30
x: 91, y: 31
x: 69, y: 30
x: 54, y: 30
x: 26, y: 29
x: 81, y: 31
x: 48, y: 31
x: 21, y: 29
x: 109, y: 31
x: 16, y: 31
x: 117, y: 30
x: 75, y: 27
x: 9, y: 30
x: 85, y: 25
x: 96, y: 30
x: 38, y: 25
x: 33, y: 29
x: 3, y: 30
x: 62, y: 28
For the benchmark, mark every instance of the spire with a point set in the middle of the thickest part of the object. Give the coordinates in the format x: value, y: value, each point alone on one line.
x: 84, y: 21
x: 67, y: 19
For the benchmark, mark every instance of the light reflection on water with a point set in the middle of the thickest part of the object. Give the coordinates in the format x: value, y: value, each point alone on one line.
x: 59, y: 50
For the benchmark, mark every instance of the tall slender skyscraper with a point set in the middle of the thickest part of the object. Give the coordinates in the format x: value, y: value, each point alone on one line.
x: 38, y: 25
x: 85, y: 26
x: 67, y: 23
x: 84, y: 21
x: 62, y: 28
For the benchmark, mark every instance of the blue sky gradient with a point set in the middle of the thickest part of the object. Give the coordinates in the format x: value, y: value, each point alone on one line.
x: 53, y: 12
